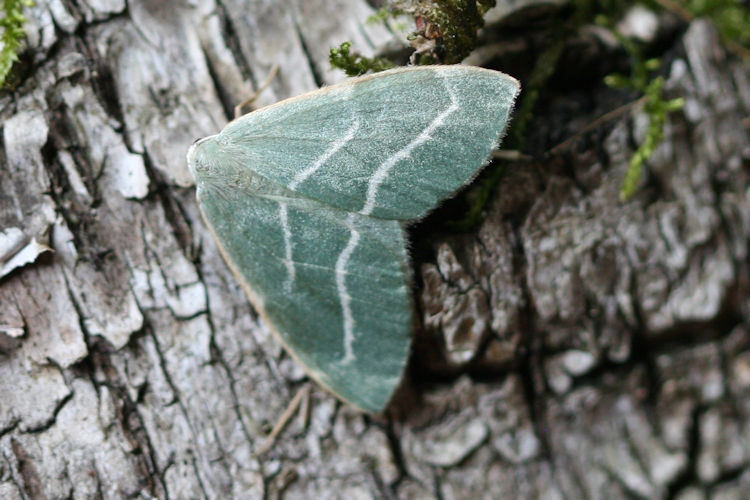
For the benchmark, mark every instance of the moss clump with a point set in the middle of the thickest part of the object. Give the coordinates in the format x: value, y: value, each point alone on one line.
x: 354, y: 64
x: 13, y: 33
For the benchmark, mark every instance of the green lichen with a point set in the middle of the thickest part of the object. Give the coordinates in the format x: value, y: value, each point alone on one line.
x: 13, y: 33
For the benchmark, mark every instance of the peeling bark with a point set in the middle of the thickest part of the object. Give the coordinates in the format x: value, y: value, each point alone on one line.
x: 571, y: 346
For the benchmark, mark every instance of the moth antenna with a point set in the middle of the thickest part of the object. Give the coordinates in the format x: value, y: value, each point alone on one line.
x: 238, y: 110
x: 302, y: 395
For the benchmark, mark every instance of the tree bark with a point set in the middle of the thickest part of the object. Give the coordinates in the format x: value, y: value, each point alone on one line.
x: 570, y: 346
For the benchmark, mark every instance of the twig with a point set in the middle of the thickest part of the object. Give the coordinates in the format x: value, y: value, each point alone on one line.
x: 678, y: 9
x: 610, y: 115
x: 510, y: 155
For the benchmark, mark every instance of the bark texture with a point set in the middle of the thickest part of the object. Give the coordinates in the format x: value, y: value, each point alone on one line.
x: 572, y: 346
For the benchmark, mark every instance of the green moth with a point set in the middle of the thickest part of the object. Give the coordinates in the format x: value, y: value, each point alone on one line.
x: 308, y: 198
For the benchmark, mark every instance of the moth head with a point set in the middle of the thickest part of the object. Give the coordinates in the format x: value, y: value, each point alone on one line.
x: 216, y: 164
x: 198, y: 157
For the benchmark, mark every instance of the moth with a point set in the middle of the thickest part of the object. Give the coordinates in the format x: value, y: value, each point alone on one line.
x: 308, y: 199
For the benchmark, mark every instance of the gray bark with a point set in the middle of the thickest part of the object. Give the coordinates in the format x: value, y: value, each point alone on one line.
x: 573, y: 346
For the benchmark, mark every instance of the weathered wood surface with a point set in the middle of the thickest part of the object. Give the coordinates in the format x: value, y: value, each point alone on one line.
x: 608, y: 342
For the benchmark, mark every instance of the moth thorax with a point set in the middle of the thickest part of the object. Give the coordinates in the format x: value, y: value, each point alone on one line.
x: 248, y: 181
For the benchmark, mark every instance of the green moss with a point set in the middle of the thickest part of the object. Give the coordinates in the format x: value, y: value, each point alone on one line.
x: 523, y: 114
x: 354, y: 64
x: 380, y: 17
x: 12, y: 34
x: 731, y: 17
x: 656, y: 106
x: 641, y: 79
x: 446, y: 33
x: 457, y: 22
x: 657, y: 109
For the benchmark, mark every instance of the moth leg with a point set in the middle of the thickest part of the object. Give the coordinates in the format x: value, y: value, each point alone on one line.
x: 239, y: 109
